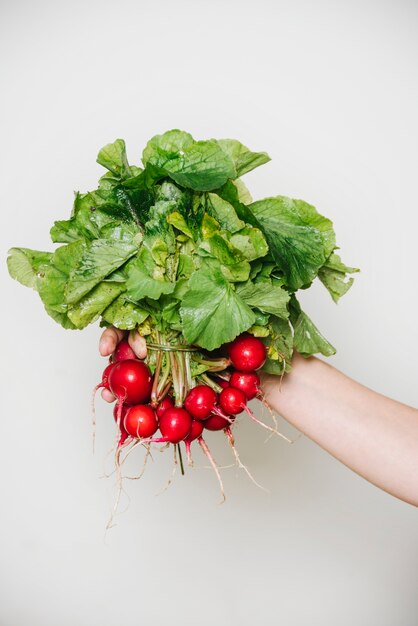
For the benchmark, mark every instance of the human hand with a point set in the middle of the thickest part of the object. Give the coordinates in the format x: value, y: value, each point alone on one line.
x: 110, y: 338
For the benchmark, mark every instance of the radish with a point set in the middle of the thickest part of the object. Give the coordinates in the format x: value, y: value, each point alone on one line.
x: 131, y: 381
x: 247, y: 382
x: 123, y: 352
x: 123, y: 434
x: 195, y: 432
x: 232, y: 400
x: 165, y: 404
x: 140, y: 421
x: 175, y: 424
x: 218, y: 422
x: 200, y: 402
x: 247, y: 353
x: 104, y: 384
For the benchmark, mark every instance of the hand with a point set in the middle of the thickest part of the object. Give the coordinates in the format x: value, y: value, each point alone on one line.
x: 110, y: 338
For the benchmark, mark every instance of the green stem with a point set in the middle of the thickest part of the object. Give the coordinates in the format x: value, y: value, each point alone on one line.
x: 176, y: 381
x: 211, y: 383
x: 180, y: 459
x: 154, y: 392
x: 165, y: 376
x: 214, y: 365
x: 189, y: 379
x: 182, y: 374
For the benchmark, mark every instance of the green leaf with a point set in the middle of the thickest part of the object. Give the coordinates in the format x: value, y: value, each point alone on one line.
x: 161, y: 148
x: 124, y: 314
x: 232, y: 263
x: 244, y: 160
x: 186, y: 266
x: 52, y: 280
x: 65, y: 231
x: 259, y: 331
x: 86, y: 220
x: 198, y: 165
x: 61, y: 318
x: 24, y: 265
x: 140, y: 284
x: 178, y: 221
x: 250, y: 242
x: 209, y: 226
x: 334, y: 276
x: 299, y: 239
x: 279, y: 347
x: 243, y: 194
x: 224, y: 213
x: 89, y: 308
x: 203, y: 166
x: 113, y: 157
x: 266, y: 297
x: 101, y: 257
x: 212, y: 313
x: 307, y: 338
x: 231, y: 193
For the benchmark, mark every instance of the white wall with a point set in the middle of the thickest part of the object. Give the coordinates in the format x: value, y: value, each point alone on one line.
x: 329, y: 89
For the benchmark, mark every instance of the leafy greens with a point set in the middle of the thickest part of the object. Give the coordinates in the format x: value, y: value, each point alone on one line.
x: 178, y: 246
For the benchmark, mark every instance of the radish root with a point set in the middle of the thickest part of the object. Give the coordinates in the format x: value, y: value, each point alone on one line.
x: 239, y: 463
x: 272, y: 430
x: 173, y: 473
x: 208, y: 453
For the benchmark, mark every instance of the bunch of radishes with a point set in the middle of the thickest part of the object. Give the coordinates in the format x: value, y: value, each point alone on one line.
x: 212, y: 404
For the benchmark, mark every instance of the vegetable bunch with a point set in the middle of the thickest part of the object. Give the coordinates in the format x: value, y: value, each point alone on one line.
x: 178, y: 251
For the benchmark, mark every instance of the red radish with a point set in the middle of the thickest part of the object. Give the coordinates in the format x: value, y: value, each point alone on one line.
x: 200, y: 401
x: 232, y: 400
x: 105, y: 376
x: 165, y: 404
x: 248, y: 382
x: 217, y: 422
x: 222, y: 383
x: 123, y: 352
x: 125, y: 409
x: 175, y: 424
x: 104, y: 384
x: 130, y: 381
x: 247, y: 353
x: 140, y: 421
x: 195, y: 432
x: 123, y: 434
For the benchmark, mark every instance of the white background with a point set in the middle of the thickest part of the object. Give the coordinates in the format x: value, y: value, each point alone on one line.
x: 329, y: 89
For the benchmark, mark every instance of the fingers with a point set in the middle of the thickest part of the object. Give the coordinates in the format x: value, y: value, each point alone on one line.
x: 108, y: 395
x: 138, y: 344
x: 109, y: 340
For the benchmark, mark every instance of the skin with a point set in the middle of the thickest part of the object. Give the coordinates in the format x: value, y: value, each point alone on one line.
x: 373, y: 435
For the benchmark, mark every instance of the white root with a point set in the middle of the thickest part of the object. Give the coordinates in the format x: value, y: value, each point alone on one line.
x: 240, y: 464
x: 272, y: 430
x: 208, y: 453
x: 173, y: 473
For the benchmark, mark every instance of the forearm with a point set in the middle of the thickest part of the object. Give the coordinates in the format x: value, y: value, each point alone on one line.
x: 373, y: 435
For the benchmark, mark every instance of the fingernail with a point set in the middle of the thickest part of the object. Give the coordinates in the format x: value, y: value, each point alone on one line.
x: 103, y: 344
